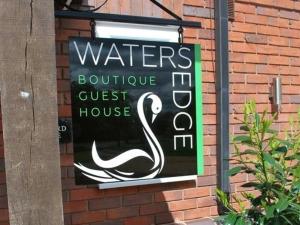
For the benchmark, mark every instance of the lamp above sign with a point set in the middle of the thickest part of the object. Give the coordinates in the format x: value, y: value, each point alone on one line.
x: 136, y: 110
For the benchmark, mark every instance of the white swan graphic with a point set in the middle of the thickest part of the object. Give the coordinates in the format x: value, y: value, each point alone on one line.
x: 109, y: 171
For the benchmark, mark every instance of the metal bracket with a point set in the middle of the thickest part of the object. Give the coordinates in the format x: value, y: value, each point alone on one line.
x: 93, y: 25
x: 90, y: 14
x: 166, y: 10
x: 180, y: 35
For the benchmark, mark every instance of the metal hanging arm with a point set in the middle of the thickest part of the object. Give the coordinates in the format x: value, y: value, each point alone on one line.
x: 125, y: 18
x: 91, y: 14
x: 166, y: 10
x: 93, y: 25
x: 180, y: 35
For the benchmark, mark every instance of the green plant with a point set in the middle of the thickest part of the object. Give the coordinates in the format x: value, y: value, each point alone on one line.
x: 274, y: 162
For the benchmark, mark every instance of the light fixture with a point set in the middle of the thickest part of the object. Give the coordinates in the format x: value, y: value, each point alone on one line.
x: 136, y: 31
x: 275, y: 95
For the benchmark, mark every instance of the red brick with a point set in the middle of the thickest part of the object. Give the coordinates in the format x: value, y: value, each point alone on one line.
x: 2, y: 178
x: 88, y: 217
x: 122, y: 212
x: 75, y: 206
x: 236, y: 36
x: 62, y: 61
x: 261, y: 29
x: 64, y: 111
x: 63, y: 85
x: 206, y: 201
x: 253, y: 58
x: 64, y: 35
x: 295, y: 43
x: 284, y: 51
x: 198, y: 213
x: 279, y: 60
x: 196, y: 192
x: 278, y: 41
x: 206, y: 181
x: 141, y: 220
x: 245, y: 8
x: 289, y: 33
x: 256, y: 19
x: 105, y: 203
x: 209, y: 160
x: 86, y: 193
x: 169, y: 217
x: 244, y: 27
x: 243, y: 68
x: 167, y: 196
x: 3, y: 215
x: 255, y: 38
x: 209, y: 119
x: 120, y: 191
x: 257, y: 79
x: 267, y: 69
x: 153, y: 208
x: 238, y: 178
x: 66, y: 160
x: 267, y: 11
x: 182, y: 205
x: 243, y: 47
x: 75, y: 24
x: 3, y: 202
x: 138, y: 199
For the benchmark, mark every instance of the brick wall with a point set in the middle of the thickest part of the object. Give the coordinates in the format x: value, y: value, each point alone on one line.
x: 264, y: 43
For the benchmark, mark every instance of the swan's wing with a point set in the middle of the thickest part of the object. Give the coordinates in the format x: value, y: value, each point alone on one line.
x: 118, y: 160
x: 98, y: 173
x: 124, y: 178
x: 100, y: 179
x: 125, y: 173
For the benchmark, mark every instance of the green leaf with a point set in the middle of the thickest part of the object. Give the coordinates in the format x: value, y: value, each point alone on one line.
x: 270, y: 211
x: 244, y: 128
x: 282, y: 149
x: 230, y: 219
x: 282, y: 204
x: 257, y: 120
x: 271, y: 131
x: 222, y: 197
x: 233, y: 171
x: 296, y: 172
x: 296, y: 186
x: 287, y: 220
x: 249, y: 152
x: 293, y: 157
x: 268, y: 158
x: 251, y: 184
x: 242, y: 138
x: 240, y: 221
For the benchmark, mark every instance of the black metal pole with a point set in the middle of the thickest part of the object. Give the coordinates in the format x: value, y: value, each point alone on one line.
x: 222, y: 94
x: 125, y: 18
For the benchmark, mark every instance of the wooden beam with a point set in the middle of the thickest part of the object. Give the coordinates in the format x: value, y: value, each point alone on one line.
x: 29, y: 112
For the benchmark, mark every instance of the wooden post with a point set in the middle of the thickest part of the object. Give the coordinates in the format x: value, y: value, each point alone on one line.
x: 29, y: 112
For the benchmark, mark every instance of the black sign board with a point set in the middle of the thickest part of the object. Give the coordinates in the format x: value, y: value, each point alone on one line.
x: 136, y: 112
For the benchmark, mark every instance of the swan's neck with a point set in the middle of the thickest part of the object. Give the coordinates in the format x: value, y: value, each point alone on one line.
x: 153, y: 142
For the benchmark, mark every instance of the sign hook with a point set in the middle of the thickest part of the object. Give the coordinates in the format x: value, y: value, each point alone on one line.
x: 93, y: 24
x: 180, y: 35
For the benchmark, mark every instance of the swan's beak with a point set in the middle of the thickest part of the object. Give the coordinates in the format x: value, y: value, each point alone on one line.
x: 153, y: 117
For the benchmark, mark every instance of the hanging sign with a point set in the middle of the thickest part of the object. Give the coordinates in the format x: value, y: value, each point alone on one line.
x: 136, y: 110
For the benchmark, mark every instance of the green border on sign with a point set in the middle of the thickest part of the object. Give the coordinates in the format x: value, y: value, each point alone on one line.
x: 199, y: 118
